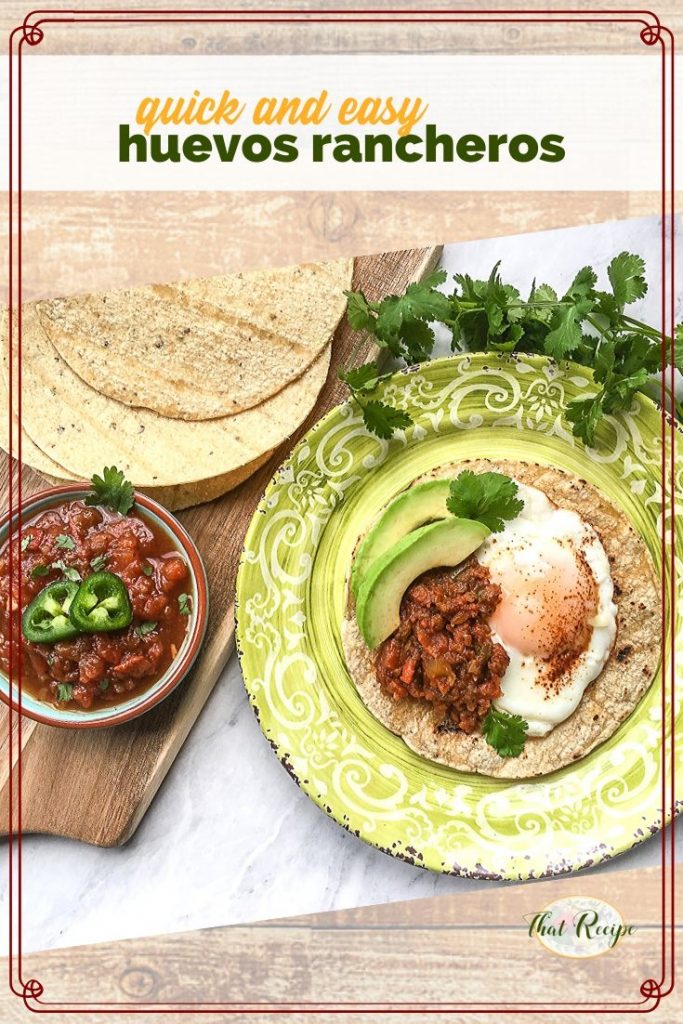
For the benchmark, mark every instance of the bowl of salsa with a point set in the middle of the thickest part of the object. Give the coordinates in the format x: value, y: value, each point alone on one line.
x: 103, y: 605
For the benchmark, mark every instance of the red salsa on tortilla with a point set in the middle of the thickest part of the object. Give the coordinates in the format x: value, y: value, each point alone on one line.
x: 98, y: 601
x: 443, y: 651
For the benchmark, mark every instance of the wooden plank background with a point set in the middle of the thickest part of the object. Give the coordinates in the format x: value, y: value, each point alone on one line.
x: 117, y: 240
x: 415, y: 953
x: 391, y: 35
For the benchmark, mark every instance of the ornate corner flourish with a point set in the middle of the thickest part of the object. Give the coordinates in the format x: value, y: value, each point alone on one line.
x: 32, y: 991
x: 31, y: 34
x: 650, y: 35
x: 652, y: 989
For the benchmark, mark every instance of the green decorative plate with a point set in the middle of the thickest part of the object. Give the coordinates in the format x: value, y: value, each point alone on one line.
x: 291, y: 594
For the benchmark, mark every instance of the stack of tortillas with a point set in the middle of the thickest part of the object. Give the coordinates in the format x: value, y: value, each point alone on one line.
x: 187, y: 388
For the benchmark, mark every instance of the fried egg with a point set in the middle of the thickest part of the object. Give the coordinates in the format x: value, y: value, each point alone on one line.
x: 556, y: 617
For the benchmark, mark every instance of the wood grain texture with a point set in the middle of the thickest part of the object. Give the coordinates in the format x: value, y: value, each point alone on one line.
x: 359, y: 956
x: 393, y: 35
x: 120, y: 769
x: 120, y: 239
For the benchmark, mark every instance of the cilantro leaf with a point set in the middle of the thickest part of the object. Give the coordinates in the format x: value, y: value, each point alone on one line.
x: 145, y: 628
x: 39, y: 570
x: 470, y: 290
x: 566, y: 335
x: 65, y: 691
x: 148, y: 570
x: 383, y: 420
x: 505, y: 733
x: 361, y: 378
x: 98, y: 563
x: 112, y: 490
x: 544, y: 294
x: 388, y: 323
x: 67, y: 571
x: 583, y: 285
x: 675, y: 348
x: 495, y: 301
x: 184, y: 604
x: 400, y: 322
x: 423, y: 298
x: 65, y: 542
x: 358, y: 312
x: 473, y: 327
x: 489, y: 498
x: 418, y: 340
x: 619, y: 394
x: 605, y: 357
x: 606, y: 306
x: 585, y: 414
x: 25, y: 541
x: 626, y: 274
x: 637, y: 352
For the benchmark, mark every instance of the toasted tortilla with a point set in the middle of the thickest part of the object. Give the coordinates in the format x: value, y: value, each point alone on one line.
x: 173, y: 497
x: 606, y: 702
x: 81, y: 430
x: 201, y: 349
x: 31, y: 455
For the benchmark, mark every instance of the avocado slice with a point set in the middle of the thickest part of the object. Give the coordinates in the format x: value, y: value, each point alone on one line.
x: 420, y: 505
x: 446, y: 543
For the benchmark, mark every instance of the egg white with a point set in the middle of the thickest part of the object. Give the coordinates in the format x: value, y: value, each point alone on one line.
x: 523, y: 543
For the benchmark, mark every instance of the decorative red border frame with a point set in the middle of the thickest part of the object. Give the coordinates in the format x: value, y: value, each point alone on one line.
x: 652, y: 33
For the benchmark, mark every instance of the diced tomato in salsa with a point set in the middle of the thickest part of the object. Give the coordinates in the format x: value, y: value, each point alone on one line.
x: 94, y: 670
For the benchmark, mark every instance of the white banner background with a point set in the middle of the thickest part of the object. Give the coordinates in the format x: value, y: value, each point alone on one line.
x: 606, y: 107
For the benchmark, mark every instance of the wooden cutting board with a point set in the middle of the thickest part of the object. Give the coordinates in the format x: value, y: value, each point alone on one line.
x: 95, y: 785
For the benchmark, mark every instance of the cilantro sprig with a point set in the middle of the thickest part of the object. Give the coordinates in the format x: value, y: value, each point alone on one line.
x: 489, y: 498
x: 504, y: 732
x: 112, y: 490
x: 586, y: 324
x: 380, y: 418
x: 400, y: 324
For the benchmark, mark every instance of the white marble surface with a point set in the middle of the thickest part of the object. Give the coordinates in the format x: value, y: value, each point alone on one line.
x: 230, y: 838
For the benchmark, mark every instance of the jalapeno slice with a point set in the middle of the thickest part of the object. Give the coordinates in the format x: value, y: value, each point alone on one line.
x: 101, y: 605
x: 46, y: 619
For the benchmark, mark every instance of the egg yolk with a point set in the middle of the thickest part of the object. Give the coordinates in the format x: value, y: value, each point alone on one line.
x: 548, y: 603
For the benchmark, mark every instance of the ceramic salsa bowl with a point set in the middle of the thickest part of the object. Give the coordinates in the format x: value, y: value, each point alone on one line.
x: 167, y: 527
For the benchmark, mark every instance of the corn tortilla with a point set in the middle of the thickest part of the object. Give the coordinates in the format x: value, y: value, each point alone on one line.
x: 173, y: 497
x: 201, y: 349
x: 82, y: 430
x: 31, y: 455
x: 606, y: 702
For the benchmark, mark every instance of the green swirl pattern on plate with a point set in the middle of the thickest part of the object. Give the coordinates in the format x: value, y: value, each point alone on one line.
x: 291, y: 593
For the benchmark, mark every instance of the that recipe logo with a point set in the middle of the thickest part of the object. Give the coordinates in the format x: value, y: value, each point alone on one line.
x: 400, y: 131
x: 578, y: 927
